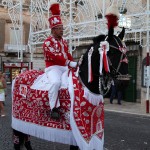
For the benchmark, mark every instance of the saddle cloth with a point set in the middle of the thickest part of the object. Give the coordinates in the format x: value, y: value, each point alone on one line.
x: 80, y: 119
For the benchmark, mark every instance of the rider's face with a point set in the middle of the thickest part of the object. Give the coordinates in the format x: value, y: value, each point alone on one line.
x: 58, y: 31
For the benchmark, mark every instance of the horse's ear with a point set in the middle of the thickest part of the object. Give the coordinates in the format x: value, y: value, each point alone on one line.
x: 98, y: 39
x: 122, y: 33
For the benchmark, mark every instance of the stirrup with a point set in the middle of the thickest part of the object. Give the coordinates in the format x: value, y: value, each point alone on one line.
x: 55, y: 114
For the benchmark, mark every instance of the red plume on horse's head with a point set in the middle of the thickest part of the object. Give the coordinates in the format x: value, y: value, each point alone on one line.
x: 55, y: 19
x: 112, y: 16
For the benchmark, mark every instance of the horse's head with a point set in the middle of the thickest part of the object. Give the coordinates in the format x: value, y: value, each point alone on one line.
x: 117, y: 57
x: 104, y: 60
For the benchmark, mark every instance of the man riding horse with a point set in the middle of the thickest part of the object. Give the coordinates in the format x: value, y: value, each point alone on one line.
x: 57, y: 59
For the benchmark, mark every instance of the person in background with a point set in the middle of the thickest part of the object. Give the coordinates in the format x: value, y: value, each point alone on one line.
x: 2, y: 94
x: 119, y: 95
x: 4, y: 76
x: 114, y: 91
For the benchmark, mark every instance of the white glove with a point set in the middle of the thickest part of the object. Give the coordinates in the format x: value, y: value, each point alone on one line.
x: 73, y: 64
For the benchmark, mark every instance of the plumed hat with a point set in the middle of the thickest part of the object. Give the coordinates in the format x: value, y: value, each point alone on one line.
x: 55, y: 18
x: 112, y: 16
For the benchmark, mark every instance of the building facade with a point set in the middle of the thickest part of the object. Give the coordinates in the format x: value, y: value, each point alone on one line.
x: 11, y: 64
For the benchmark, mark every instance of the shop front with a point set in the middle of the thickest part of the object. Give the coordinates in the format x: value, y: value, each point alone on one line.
x: 13, y: 69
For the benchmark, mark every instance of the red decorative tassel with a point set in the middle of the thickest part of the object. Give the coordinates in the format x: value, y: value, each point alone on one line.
x: 54, y: 8
x: 112, y: 20
x: 105, y: 62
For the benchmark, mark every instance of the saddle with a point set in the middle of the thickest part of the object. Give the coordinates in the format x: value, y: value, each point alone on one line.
x: 43, y: 83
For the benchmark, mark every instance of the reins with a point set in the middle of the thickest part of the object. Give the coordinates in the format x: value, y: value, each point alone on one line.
x: 109, y: 79
x: 121, y: 57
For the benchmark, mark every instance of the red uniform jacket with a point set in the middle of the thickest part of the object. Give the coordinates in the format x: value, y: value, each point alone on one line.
x: 56, y: 52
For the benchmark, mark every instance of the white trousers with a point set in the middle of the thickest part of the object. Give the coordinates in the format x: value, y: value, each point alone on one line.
x: 55, y: 76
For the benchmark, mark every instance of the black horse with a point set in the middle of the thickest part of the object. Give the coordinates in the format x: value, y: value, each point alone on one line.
x: 117, y: 60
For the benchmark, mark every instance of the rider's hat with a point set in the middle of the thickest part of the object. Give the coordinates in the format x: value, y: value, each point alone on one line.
x: 55, y: 18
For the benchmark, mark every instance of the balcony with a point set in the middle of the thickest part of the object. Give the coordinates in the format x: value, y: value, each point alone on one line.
x: 9, y: 48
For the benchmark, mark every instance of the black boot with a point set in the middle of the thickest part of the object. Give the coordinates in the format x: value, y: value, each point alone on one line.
x: 72, y: 147
x: 55, y: 113
x: 28, y: 145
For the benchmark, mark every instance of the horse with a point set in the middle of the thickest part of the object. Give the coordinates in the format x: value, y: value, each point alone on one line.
x: 82, y: 103
x: 118, y: 63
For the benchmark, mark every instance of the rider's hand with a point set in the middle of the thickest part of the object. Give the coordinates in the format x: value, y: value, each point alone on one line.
x: 73, y: 64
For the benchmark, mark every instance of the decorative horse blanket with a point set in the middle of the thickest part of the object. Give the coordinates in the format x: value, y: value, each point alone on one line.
x: 81, y: 123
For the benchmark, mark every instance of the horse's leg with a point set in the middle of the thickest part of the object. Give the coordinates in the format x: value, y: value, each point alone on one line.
x: 72, y: 147
x: 27, y: 143
x: 16, y: 140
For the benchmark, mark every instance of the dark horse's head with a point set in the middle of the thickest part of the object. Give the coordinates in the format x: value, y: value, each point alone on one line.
x: 98, y: 68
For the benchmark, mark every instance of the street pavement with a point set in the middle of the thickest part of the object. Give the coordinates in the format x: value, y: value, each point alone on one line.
x: 126, y: 107
x: 122, y: 125
x: 125, y: 131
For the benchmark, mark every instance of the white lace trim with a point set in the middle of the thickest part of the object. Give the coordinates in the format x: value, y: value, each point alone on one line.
x: 94, y: 99
x: 46, y: 133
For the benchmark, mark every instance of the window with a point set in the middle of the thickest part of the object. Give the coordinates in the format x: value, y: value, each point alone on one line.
x: 124, y: 21
x: 15, y: 35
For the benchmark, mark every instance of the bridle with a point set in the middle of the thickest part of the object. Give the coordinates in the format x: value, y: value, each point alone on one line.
x: 123, y: 50
x: 105, y: 79
x: 117, y: 75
